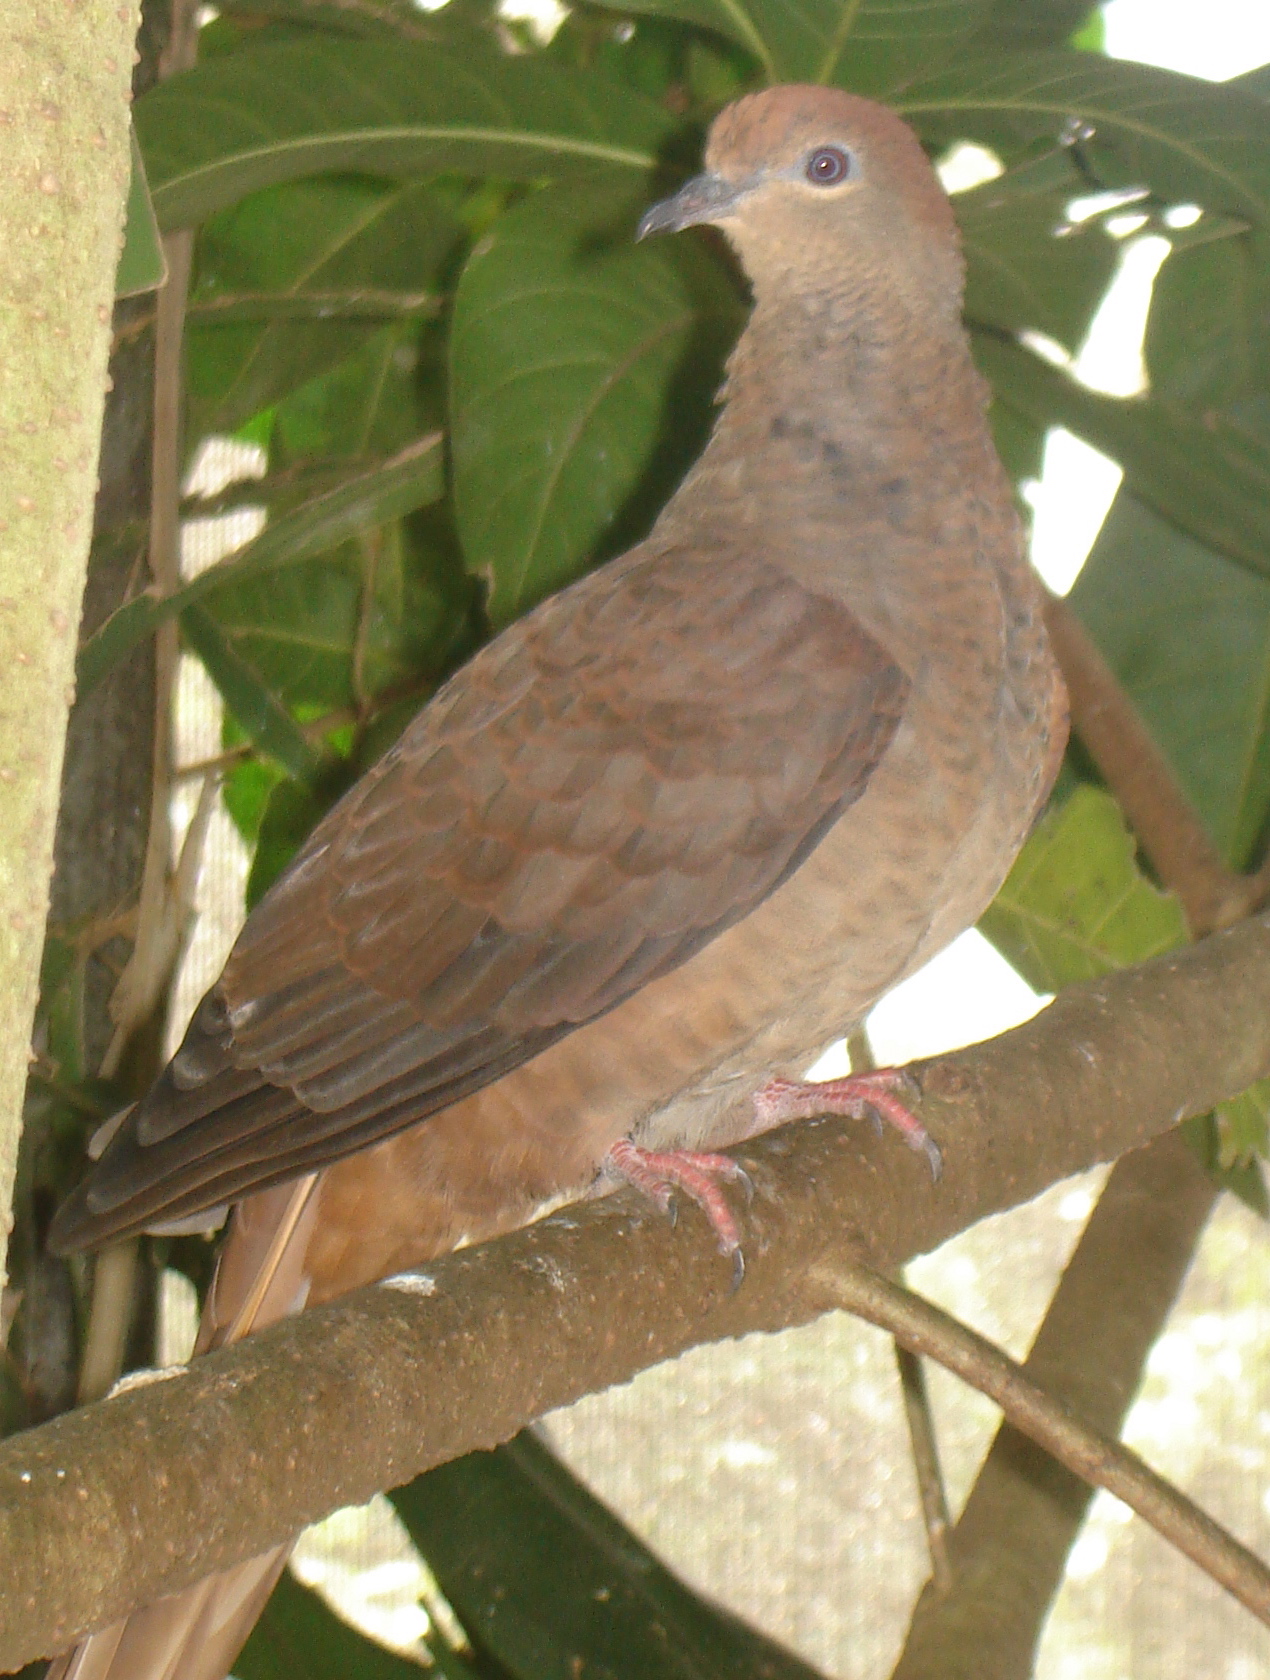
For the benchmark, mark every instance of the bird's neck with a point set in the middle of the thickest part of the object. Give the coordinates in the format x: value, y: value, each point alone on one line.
x: 852, y: 429
x: 880, y: 385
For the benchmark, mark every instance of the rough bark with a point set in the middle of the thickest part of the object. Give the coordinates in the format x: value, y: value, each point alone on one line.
x: 64, y: 86
x: 102, y: 822
x: 121, y: 1502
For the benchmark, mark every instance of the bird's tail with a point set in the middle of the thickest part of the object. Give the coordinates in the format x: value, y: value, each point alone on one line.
x: 261, y: 1276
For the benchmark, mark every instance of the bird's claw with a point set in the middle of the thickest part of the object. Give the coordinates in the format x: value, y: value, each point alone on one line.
x: 883, y: 1094
x: 657, y: 1174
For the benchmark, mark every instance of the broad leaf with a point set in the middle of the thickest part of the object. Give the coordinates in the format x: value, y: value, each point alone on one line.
x: 296, y: 279
x: 386, y: 492
x: 1188, y: 140
x: 550, y: 1583
x: 583, y: 368
x: 369, y: 404
x: 142, y: 265
x: 1028, y: 266
x: 1188, y: 634
x: 241, y: 123
x: 1038, y: 23
x: 1211, y: 479
x: 1076, y: 905
x: 1201, y: 337
x: 865, y: 44
x: 373, y: 615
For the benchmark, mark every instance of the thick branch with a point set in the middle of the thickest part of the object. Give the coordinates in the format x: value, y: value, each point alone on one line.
x: 124, y: 1501
x: 63, y: 99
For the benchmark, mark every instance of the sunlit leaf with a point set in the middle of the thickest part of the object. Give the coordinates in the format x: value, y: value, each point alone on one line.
x: 142, y: 266
x: 1076, y: 905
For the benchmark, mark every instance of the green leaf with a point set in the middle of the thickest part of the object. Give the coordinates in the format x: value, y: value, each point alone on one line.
x: 1201, y: 336
x: 299, y: 1638
x: 1028, y: 266
x: 1041, y: 23
x: 239, y: 124
x: 295, y: 279
x: 1190, y: 141
x: 1188, y: 634
x: 553, y: 1586
x: 582, y: 371
x: 292, y: 812
x: 1243, y: 1126
x: 142, y: 265
x: 868, y: 45
x: 258, y: 711
x: 1209, y: 478
x: 369, y: 404
x: 369, y: 617
x: 411, y: 480
x: 1076, y: 905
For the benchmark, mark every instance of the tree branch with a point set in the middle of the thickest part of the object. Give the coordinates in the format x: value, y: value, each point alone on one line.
x: 1100, y: 1459
x: 122, y: 1502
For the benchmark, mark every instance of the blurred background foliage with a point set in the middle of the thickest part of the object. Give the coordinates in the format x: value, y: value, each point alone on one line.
x: 415, y: 289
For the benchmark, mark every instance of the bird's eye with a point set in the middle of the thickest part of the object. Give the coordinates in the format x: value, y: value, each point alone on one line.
x: 828, y: 165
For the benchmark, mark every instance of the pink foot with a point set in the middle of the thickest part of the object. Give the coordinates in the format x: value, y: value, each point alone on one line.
x: 659, y: 1173
x: 860, y: 1096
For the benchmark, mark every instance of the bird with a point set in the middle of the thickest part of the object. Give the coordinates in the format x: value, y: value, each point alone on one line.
x: 659, y: 842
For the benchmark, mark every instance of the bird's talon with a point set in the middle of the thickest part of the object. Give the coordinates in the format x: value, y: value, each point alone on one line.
x: 738, y: 1269
x: 935, y: 1158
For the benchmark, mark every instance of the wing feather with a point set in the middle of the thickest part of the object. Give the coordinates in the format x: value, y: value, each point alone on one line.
x: 619, y: 777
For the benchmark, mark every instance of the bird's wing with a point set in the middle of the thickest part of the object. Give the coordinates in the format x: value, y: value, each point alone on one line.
x: 615, y: 780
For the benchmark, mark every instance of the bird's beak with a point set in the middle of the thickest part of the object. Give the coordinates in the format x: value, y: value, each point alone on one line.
x: 706, y: 198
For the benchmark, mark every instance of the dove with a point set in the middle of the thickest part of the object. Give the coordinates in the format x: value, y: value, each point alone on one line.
x: 592, y: 917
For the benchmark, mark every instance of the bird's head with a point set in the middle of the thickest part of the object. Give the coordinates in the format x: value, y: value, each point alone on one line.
x: 811, y: 183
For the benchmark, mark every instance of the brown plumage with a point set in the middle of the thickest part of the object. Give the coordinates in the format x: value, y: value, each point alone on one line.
x: 674, y: 830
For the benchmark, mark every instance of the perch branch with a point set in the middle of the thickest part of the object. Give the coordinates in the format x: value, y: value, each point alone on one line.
x: 127, y: 1500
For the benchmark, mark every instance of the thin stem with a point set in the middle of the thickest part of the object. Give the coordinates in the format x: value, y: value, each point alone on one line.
x: 1094, y: 1457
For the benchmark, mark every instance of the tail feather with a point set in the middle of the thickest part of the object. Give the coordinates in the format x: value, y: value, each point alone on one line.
x: 261, y: 1276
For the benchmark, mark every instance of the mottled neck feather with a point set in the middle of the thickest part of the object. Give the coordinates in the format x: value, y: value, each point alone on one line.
x: 853, y: 449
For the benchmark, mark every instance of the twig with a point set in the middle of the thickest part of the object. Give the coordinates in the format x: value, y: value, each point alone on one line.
x: 1094, y: 1457
x: 926, y: 1465
x: 922, y: 1438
